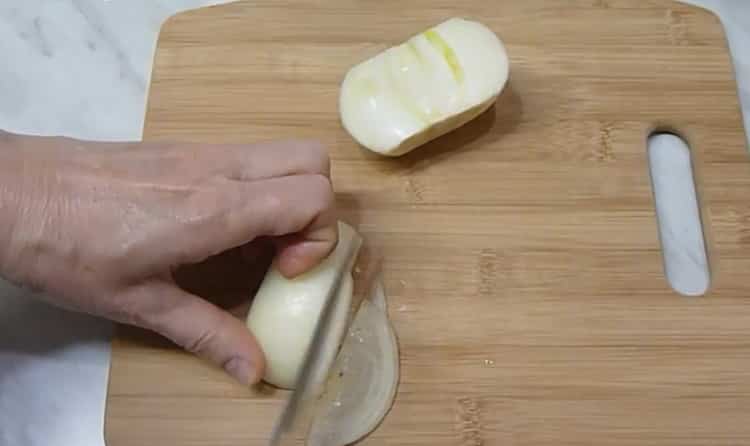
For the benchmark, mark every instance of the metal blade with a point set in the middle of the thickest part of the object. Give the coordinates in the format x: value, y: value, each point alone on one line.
x: 369, y: 268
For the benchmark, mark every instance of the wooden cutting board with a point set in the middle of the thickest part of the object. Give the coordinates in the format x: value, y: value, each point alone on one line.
x: 522, y: 257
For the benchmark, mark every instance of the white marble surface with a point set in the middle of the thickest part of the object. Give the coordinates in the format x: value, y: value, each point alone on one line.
x: 80, y: 68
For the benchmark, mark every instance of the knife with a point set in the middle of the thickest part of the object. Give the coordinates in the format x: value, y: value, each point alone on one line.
x: 296, y: 419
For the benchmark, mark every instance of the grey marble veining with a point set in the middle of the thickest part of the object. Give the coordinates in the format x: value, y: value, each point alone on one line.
x: 81, y: 68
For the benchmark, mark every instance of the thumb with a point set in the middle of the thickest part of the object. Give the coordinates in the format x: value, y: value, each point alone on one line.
x: 206, y: 330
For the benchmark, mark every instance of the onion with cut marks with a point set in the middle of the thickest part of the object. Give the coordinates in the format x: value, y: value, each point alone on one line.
x: 433, y: 83
x: 361, y: 358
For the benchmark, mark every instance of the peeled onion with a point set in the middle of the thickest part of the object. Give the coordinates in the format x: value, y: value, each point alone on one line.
x: 284, y: 313
x: 431, y: 84
x: 359, y: 370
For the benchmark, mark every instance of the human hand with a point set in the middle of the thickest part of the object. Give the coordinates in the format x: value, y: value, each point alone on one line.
x: 102, y: 228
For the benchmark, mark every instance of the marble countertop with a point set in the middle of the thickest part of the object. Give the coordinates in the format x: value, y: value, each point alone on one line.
x: 81, y: 68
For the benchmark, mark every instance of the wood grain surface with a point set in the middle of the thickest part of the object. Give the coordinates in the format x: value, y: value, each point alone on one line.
x: 522, y: 256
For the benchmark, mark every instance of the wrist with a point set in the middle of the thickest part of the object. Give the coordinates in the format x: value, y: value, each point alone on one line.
x: 22, y: 197
x: 9, y: 196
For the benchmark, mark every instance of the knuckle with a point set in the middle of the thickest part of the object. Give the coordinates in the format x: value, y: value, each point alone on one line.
x: 200, y: 342
x: 322, y: 159
x: 272, y: 204
x: 203, y: 341
x: 315, y: 158
x: 130, y: 310
x: 322, y: 190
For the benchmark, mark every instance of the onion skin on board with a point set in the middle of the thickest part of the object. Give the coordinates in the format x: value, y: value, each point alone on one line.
x: 362, y: 386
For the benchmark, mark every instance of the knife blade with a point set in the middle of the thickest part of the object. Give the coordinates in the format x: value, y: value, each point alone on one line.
x: 296, y: 419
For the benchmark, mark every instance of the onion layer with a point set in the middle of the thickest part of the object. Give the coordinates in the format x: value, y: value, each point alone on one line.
x: 363, y: 381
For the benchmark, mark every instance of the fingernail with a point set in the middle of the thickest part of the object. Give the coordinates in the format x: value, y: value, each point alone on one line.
x: 241, y: 370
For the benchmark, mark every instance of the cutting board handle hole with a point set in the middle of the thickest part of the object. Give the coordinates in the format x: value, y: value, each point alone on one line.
x: 678, y: 214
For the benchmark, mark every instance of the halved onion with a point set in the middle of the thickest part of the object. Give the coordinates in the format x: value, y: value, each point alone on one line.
x: 434, y: 82
x: 285, y: 312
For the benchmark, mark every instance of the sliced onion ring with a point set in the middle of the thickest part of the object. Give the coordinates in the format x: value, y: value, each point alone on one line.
x: 363, y: 381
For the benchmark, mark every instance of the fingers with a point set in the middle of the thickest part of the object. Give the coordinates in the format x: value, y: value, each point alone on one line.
x: 307, y: 228
x: 240, y: 162
x: 276, y: 159
x: 199, y: 327
x: 299, y: 209
x: 300, y: 252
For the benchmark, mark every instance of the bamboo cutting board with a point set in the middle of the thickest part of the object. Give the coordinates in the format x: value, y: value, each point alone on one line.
x: 522, y: 257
